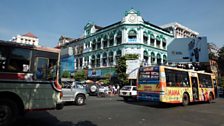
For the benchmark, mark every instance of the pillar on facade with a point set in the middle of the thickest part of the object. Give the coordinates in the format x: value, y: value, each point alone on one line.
x: 89, y: 66
x: 90, y: 46
x: 114, y: 58
x: 161, y: 59
x: 101, y: 59
x: 83, y: 62
x: 101, y: 43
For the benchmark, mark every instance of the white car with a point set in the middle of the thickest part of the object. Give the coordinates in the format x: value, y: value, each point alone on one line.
x: 128, y: 92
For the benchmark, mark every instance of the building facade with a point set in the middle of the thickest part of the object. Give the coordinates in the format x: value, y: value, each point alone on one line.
x: 213, y: 58
x: 100, y: 47
x: 180, y: 31
x: 27, y: 38
x: 63, y: 40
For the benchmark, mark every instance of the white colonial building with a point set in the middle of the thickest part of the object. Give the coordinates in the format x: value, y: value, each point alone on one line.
x: 180, y: 31
x: 100, y: 47
x: 27, y: 38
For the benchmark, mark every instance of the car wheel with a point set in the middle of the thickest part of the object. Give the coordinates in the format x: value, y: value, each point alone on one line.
x: 125, y: 98
x: 80, y: 100
x: 8, y: 112
x: 93, y: 89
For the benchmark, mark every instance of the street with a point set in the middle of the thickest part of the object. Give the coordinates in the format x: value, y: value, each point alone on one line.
x: 113, y: 111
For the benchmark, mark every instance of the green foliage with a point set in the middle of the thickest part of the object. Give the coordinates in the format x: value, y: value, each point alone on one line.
x: 121, y: 70
x: 131, y: 56
x: 121, y: 67
x: 211, y: 55
x: 105, y: 81
x: 66, y: 74
x: 80, y: 75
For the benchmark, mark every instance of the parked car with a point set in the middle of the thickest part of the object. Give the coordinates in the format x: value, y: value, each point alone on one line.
x: 103, y: 91
x: 74, y: 92
x: 92, y: 89
x: 128, y: 92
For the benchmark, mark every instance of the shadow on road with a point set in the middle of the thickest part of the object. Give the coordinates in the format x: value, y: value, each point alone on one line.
x: 46, y: 119
x: 150, y: 104
x: 161, y: 105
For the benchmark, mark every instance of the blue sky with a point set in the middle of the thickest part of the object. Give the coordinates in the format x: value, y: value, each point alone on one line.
x: 49, y: 19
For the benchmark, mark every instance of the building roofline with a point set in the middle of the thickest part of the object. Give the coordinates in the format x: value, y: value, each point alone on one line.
x: 146, y: 22
x: 179, y: 25
x: 29, y: 34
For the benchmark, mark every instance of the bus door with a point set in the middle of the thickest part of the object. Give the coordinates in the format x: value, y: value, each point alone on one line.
x: 194, y: 82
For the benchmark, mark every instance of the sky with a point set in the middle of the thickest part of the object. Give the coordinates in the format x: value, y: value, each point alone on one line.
x: 49, y: 19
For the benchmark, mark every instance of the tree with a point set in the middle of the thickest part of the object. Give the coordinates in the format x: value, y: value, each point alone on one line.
x: 121, y: 68
x: 66, y: 74
x: 80, y: 75
x: 220, y: 65
x: 106, y: 79
x: 221, y: 60
x: 131, y: 56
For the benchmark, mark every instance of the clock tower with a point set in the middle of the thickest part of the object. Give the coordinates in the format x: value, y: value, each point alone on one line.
x: 132, y: 17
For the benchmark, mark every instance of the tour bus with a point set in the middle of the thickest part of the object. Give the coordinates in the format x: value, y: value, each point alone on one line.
x: 164, y: 84
x: 29, y: 80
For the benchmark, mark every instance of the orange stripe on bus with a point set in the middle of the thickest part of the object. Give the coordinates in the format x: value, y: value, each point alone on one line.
x: 162, y: 84
x: 173, y: 102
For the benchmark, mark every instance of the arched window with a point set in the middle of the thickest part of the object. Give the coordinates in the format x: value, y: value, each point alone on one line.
x: 98, y: 43
x: 77, y: 63
x: 145, y: 57
x: 119, y: 38
x: 158, y: 57
x: 105, y: 59
x: 132, y: 36
x: 152, y: 40
x: 111, y: 41
x: 164, y: 43
x: 86, y: 59
x: 145, y: 38
x: 104, y: 41
x: 119, y: 54
x: 93, y: 61
x: 80, y: 62
x: 153, y: 57
x: 98, y: 60
x: 164, y: 59
x: 158, y: 41
x: 111, y: 58
x: 94, y: 44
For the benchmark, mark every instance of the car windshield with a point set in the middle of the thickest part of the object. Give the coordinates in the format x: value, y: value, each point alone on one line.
x: 126, y: 88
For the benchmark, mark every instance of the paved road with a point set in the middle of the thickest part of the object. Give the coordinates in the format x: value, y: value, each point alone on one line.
x: 113, y: 111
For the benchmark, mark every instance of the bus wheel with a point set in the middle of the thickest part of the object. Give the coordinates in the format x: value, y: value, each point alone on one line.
x: 8, y: 112
x: 185, y: 100
x: 210, y: 98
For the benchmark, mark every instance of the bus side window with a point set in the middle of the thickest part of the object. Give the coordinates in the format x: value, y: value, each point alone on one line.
x: 178, y: 84
x: 185, y: 82
x: 41, y: 68
x: 169, y: 84
x: 51, y: 72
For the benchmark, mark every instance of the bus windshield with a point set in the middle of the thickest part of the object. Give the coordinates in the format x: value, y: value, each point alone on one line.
x: 149, y: 75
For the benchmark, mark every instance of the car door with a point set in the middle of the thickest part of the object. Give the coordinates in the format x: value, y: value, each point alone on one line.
x: 134, y: 90
x: 67, y: 93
